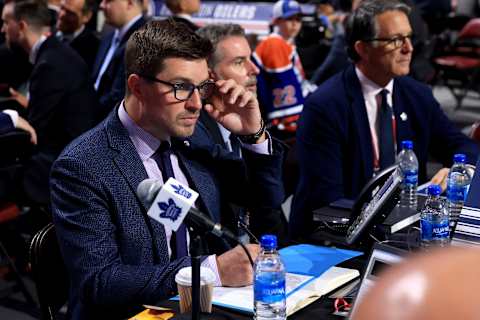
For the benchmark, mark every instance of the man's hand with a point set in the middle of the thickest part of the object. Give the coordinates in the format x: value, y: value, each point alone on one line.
x: 20, y: 98
x: 234, y: 267
x: 441, y: 178
x: 235, y: 108
x: 24, y: 125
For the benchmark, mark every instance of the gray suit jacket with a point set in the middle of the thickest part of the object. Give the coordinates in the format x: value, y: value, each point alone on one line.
x: 116, y: 255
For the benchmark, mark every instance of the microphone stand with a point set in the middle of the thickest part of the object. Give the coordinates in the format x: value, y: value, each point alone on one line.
x: 195, y: 251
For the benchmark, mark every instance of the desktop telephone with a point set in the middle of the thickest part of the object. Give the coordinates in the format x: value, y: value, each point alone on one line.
x: 374, y: 203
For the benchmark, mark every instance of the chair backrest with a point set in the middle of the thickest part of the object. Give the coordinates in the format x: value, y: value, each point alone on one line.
x: 49, y: 272
x: 471, y: 29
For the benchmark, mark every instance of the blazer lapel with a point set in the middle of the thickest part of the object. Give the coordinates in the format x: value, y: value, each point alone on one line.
x: 102, y: 52
x: 200, y: 178
x: 360, y: 117
x: 130, y: 165
x: 402, y: 116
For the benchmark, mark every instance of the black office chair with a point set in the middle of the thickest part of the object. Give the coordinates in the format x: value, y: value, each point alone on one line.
x: 49, y: 272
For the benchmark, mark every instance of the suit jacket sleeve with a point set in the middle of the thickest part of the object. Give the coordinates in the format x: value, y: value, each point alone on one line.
x: 320, y: 154
x: 88, y: 237
x: 6, y: 123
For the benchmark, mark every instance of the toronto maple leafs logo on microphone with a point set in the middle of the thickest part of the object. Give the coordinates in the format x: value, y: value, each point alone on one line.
x: 169, y: 210
x: 181, y: 191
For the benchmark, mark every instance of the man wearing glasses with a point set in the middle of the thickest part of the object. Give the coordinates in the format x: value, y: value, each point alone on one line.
x: 353, y: 125
x: 117, y: 256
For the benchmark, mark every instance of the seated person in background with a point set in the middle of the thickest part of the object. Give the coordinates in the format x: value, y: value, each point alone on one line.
x: 281, y: 83
x: 436, y: 285
x: 231, y: 60
x: 109, y: 68
x: 346, y: 133
x: 118, y: 257
x: 9, y: 120
x: 182, y: 11
x: 71, y: 25
x: 62, y: 102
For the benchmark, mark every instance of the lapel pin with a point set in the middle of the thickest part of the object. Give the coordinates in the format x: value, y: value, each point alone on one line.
x: 403, y: 116
x: 186, y: 143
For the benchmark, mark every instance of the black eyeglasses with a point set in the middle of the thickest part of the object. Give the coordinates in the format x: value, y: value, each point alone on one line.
x: 183, y: 91
x: 396, y: 42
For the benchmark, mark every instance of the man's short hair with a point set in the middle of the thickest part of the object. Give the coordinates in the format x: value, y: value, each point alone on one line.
x: 173, y: 5
x: 148, y: 47
x: 216, y: 33
x: 361, y: 24
x: 88, y: 6
x: 35, y: 13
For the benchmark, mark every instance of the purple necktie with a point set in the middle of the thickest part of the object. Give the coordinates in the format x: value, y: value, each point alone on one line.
x: 178, y: 242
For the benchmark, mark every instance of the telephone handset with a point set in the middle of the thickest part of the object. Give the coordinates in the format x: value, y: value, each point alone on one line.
x: 375, y: 202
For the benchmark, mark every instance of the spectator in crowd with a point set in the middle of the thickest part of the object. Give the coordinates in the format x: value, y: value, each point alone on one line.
x: 109, y: 70
x: 231, y: 60
x: 62, y: 102
x: 281, y: 82
x: 71, y: 26
x: 353, y: 125
x: 182, y: 11
x: 118, y: 257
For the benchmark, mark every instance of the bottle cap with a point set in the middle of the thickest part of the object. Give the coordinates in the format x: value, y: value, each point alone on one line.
x: 434, y: 190
x: 268, y: 242
x: 407, y: 144
x: 459, y: 157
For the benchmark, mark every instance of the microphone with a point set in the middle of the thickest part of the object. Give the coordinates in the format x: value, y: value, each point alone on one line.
x: 172, y: 202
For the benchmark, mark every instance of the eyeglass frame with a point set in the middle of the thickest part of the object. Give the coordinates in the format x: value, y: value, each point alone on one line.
x: 392, y: 40
x: 175, y: 87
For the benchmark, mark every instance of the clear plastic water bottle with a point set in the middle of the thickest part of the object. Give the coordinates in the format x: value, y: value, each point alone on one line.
x: 269, y: 282
x: 458, y: 184
x: 408, y: 163
x: 434, y: 222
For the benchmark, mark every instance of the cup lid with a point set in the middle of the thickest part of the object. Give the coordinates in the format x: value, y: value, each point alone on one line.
x: 184, y: 276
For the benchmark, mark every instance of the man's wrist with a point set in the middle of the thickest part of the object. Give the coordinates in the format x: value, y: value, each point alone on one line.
x: 257, y: 137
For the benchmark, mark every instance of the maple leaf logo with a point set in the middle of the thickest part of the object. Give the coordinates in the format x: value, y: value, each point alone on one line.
x: 169, y: 210
x: 181, y: 191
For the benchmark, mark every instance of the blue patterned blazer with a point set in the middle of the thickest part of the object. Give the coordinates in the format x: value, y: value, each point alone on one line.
x: 116, y: 255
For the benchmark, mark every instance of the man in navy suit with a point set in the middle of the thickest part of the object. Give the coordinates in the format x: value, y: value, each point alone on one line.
x: 354, y: 123
x: 118, y: 257
x: 231, y: 59
x: 62, y: 102
x: 71, y: 25
x: 109, y: 70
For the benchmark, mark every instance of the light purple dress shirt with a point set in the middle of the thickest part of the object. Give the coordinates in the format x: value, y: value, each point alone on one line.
x: 146, y: 146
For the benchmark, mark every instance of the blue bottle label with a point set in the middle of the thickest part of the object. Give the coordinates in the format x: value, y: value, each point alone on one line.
x: 457, y: 193
x: 440, y: 230
x: 434, y: 231
x: 269, y: 288
x: 410, y: 177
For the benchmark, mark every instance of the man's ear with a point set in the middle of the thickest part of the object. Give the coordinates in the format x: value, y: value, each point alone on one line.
x: 86, y: 17
x: 22, y: 25
x: 361, y: 49
x: 212, y: 75
x: 134, y: 83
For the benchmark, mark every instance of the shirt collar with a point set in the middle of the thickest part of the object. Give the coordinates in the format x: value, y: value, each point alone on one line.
x: 36, y: 47
x: 145, y: 143
x: 184, y: 16
x: 123, y: 30
x: 369, y: 87
x: 224, y: 132
x: 70, y: 36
